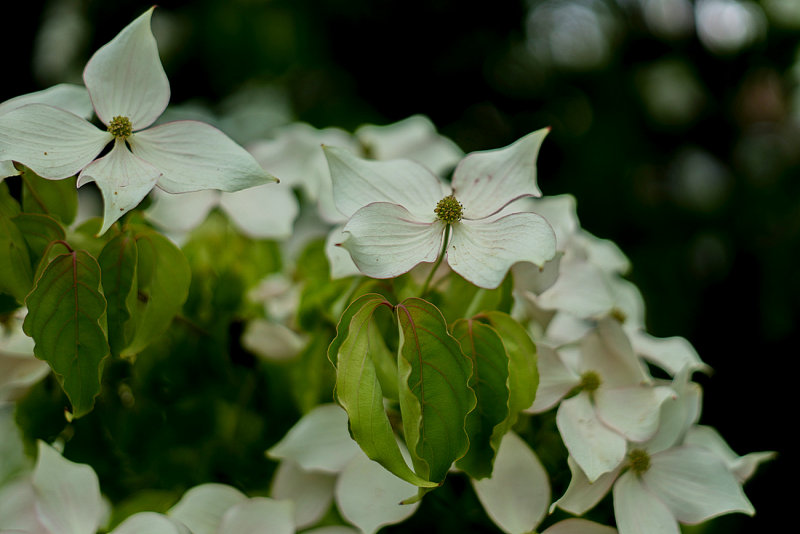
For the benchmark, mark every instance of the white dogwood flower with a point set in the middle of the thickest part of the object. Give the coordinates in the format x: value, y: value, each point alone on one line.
x: 401, y: 214
x: 129, y: 91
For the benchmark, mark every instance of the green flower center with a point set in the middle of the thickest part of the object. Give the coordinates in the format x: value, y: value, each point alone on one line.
x: 618, y: 315
x: 639, y: 461
x: 120, y: 127
x: 449, y: 210
x: 590, y: 381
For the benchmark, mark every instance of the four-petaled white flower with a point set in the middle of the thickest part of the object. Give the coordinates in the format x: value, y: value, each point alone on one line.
x: 400, y: 213
x: 129, y: 91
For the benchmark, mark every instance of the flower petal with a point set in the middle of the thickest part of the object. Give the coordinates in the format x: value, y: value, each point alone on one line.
x: 202, y: 507
x: 483, y: 251
x: 311, y: 492
x: 632, y: 411
x: 319, y: 441
x: 180, y: 213
x: 123, y: 179
x: 742, y: 467
x: 414, y: 138
x: 152, y: 523
x: 7, y: 169
x: 638, y: 511
x: 54, y: 143
x: 385, y: 241
x: 194, y: 155
x: 555, y: 379
x: 125, y: 76
x: 486, y: 181
x: 68, y: 494
x: 262, y: 212
x: 596, y: 448
x: 358, y: 182
x: 259, y: 515
x: 670, y: 353
x: 368, y: 496
x: 695, y: 484
x: 339, y: 259
x: 67, y: 96
x: 607, y: 351
x: 582, y: 495
x: 517, y: 494
x: 579, y: 526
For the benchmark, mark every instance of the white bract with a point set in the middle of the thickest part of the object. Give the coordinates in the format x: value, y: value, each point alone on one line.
x: 616, y: 403
x: 665, y: 480
x: 72, y: 98
x: 399, y: 212
x: 129, y: 91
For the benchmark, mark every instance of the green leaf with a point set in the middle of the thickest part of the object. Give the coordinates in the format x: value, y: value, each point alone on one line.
x: 39, y: 232
x: 359, y: 392
x: 481, y: 344
x: 523, y: 375
x: 434, y: 394
x: 66, y: 318
x: 118, y: 262
x: 463, y: 299
x: 16, y: 275
x: 163, y: 277
x: 58, y: 198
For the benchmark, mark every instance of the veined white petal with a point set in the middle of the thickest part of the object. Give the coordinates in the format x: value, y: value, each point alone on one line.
x: 181, y: 212
x: 414, y: 138
x: 638, y: 511
x: 369, y: 496
x: 67, y: 96
x: 484, y: 182
x: 607, y: 351
x: 670, y: 353
x: 262, y: 212
x: 385, y: 240
x: 257, y: 516
x: 7, y: 169
x: 123, y: 179
x: 125, y: 76
x: 341, y: 263
x: 596, y: 448
x: 194, y: 155
x: 582, y: 495
x: 632, y: 411
x: 54, y: 143
x: 68, y: 494
x: 358, y: 182
x: 579, y: 526
x: 202, y: 507
x: 151, y: 523
x: 580, y: 289
x: 742, y: 467
x: 555, y: 379
x: 517, y: 494
x: 483, y: 251
x: 311, y: 491
x: 695, y: 484
x: 319, y: 441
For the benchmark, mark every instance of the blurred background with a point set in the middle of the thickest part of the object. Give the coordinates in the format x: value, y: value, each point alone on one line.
x: 675, y: 124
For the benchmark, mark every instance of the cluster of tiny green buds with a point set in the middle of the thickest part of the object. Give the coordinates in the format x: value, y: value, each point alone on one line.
x: 618, y: 315
x: 449, y: 210
x: 639, y: 461
x: 590, y: 381
x: 120, y: 127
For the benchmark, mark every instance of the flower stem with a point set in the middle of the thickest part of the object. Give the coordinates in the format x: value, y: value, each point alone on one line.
x: 438, y: 261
